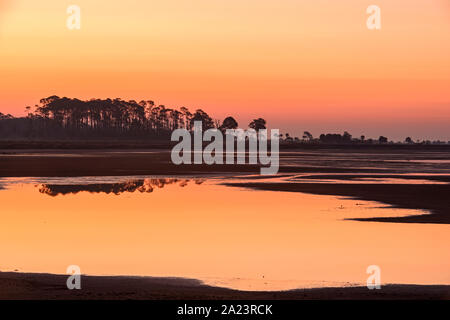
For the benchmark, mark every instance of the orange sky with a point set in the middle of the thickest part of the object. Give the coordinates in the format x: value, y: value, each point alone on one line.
x: 302, y: 65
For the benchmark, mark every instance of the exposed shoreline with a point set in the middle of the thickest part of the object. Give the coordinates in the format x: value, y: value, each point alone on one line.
x: 38, y: 286
x: 432, y: 197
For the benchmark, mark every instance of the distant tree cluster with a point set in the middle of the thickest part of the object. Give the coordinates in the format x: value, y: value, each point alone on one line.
x: 57, y: 117
x: 346, y: 138
x: 336, y: 138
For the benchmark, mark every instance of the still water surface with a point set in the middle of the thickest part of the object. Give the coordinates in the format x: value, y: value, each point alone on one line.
x: 199, y: 228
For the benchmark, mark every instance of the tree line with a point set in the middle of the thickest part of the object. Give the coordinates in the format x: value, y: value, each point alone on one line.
x: 71, y: 118
x: 64, y: 117
x: 347, y: 138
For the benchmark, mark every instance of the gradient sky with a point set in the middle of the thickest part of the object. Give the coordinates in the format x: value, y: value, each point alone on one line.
x: 302, y: 65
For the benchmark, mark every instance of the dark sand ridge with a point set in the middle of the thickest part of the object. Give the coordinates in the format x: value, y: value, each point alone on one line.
x: 15, y: 285
x: 356, y: 177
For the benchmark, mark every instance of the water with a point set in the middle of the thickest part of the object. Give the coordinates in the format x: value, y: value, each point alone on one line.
x: 196, y: 227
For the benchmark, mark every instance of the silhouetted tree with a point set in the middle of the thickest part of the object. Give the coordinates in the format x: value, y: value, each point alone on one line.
x: 331, y: 138
x: 200, y: 115
x: 382, y: 139
x: 307, y: 136
x: 228, y: 123
x: 288, y: 138
x: 186, y: 117
x: 346, y: 137
x: 258, y: 124
x: 335, y: 138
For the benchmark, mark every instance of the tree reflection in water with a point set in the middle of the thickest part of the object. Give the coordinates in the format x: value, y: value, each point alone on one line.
x: 141, y: 185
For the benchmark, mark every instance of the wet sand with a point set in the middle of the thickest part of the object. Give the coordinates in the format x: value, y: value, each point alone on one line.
x: 118, y: 162
x: 25, y: 286
x: 73, y: 163
x: 358, y: 177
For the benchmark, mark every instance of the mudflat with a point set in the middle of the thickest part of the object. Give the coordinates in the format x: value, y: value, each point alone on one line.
x: 22, y: 286
x: 62, y: 162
